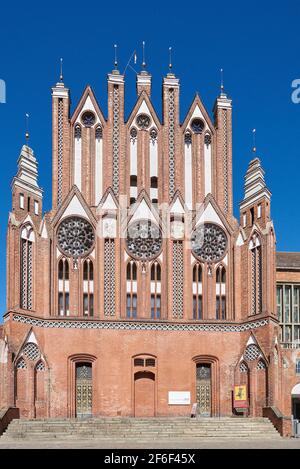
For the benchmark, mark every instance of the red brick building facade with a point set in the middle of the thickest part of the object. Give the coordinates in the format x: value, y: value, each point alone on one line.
x: 139, y: 293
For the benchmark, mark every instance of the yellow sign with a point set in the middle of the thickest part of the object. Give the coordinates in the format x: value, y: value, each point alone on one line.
x: 240, y: 393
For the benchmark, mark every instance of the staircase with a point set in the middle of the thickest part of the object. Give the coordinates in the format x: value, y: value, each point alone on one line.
x: 122, y: 429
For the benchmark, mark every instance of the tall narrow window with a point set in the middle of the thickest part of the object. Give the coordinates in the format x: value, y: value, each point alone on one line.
x: 88, y: 288
x: 36, y: 207
x: 197, y: 292
x: 22, y: 201
x: 131, y: 285
x: 63, y: 288
x: 155, y: 291
x: 221, y: 293
x: 26, y: 270
x: 256, y: 276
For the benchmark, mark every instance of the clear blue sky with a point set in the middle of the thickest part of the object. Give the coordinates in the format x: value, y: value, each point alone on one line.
x: 257, y: 43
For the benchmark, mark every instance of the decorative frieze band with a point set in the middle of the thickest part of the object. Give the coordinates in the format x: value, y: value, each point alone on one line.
x: 138, y: 326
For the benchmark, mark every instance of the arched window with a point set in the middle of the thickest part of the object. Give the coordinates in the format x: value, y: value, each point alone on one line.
x: 197, y: 292
x: 63, y: 288
x: 221, y: 293
x: 155, y: 291
x: 88, y: 288
x: 256, y: 275
x: 131, y: 285
x: 26, y: 268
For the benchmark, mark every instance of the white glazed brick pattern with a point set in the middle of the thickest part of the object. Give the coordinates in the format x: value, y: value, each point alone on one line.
x: 60, y: 151
x: 171, y: 142
x: 116, y: 138
x: 138, y: 326
x: 109, y: 278
x: 252, y: 353
x: 177, y: 286
x: 225, y: 162
x: 31, y: 351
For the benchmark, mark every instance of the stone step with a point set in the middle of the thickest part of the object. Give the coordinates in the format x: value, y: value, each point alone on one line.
x: 60, y: 436
x: 138, y: 429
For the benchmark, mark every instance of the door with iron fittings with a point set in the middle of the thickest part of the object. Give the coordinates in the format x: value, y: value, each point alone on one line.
x: 203, y: 390
x: 84, y: 390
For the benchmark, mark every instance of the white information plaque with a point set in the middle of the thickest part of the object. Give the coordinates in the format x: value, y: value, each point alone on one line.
x: 179, y: 398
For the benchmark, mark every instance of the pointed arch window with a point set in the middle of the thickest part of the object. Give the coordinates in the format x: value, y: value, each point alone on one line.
x: 88, y: 288
x: 131, y: 285
x: 63, y: 288
x: 256, y: 275
x: 197, y: 292
x: 221, y: 312
x: 155, y: 290
x: 26, y: 270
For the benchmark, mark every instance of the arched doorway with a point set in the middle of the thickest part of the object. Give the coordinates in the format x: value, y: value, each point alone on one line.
x: 204, y: 389
x: 84, y: 390
x: 296, y: 402
x: 144, y: 394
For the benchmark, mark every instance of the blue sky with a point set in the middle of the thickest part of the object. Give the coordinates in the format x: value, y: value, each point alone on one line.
x: 255, y: 42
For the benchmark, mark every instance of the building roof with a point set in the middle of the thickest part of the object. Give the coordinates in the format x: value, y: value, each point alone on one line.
x: 288, y: 260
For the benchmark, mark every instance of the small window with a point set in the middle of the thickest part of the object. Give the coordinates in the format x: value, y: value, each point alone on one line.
x: 36, y: 207
x: 244, y: 220
x: 154, y: 182
x: 298, y: 367
x: 133, y: 181
x: 139, y: 362
x: 22, y: 201
x: 132, y: 200
x: 150, y: 362
x: 154, y: 201
x: 28, y: 204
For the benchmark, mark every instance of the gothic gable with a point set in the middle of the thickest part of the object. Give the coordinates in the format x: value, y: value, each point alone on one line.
x: 88, y: 102
x: 74, y: 205
x: 144, y: 106
x: 197, y: 110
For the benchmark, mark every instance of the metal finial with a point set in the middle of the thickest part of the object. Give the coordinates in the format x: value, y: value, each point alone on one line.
x: 144, y: 61
x: 27, y: 128
x: 170, y: 58
x: 61, y: 77
x: 254, y: 141
x: 222, y: 80
x: 116, y: 56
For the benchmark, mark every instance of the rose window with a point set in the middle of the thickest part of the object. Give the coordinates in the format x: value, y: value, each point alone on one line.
x: 197, y: 126
x: 88, y: 119
x: 75, y: 236
x: 143, y: 121
x: 209, y: 243
x: 144, y: 240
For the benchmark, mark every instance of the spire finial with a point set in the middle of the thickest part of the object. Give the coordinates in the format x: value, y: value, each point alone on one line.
x: 170, y: 59
x: 222, y: 80
x: 254, y: 141
x: 116, y: 55
x: 61, y: 77
x: 27, y: 128
x: 144, y: 61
